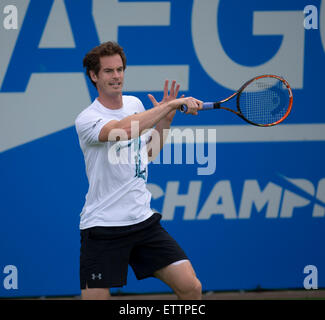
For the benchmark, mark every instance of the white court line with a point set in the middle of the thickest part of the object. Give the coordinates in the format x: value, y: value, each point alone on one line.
x: 247, y: 133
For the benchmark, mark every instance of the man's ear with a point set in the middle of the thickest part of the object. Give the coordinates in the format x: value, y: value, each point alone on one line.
x: 93, y: 76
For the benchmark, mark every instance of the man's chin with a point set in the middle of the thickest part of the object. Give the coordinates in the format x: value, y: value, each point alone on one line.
x: 113, y: 91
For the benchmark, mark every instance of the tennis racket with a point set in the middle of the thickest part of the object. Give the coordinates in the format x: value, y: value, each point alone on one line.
x: 263, y: 101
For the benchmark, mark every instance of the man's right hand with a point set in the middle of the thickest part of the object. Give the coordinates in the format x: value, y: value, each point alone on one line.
x: 193, y: 105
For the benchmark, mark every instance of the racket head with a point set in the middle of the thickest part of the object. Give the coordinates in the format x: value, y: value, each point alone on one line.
x: 265, y: 100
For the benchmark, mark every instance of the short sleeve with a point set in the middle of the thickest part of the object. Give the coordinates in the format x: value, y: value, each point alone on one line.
x: 141, y: 108
x: 88, y: 127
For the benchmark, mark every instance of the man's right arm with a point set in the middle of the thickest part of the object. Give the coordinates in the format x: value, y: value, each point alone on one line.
x: 133, y: 126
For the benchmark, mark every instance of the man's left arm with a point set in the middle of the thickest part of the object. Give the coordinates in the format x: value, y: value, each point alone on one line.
x: 160, y: 133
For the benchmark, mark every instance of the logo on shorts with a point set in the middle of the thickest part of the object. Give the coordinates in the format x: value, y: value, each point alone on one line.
x: 96, y: 276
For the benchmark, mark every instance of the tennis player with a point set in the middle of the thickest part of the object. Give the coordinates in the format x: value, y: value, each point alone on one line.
x: 118, y: 227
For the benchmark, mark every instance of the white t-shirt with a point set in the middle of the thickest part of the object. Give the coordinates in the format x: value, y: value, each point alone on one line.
x: 116, y: 171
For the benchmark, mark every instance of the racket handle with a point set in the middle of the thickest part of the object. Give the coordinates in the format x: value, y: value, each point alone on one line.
x: 206, y: 106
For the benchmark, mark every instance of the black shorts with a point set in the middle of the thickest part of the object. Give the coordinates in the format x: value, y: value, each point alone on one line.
x: 106, y: 252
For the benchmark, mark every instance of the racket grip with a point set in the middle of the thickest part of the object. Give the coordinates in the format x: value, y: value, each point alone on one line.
x: 206, y: 105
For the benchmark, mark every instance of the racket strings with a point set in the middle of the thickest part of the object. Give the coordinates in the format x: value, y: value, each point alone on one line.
x: 264, y: 101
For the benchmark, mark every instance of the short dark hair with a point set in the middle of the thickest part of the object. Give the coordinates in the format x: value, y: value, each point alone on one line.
x: 91, y: 60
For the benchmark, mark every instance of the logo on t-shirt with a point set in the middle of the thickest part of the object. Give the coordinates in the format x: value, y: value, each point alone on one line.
x: 140, y: 169
x: 95, y: 124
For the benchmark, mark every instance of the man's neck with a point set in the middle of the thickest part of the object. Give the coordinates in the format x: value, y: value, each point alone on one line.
x: 111, y: 102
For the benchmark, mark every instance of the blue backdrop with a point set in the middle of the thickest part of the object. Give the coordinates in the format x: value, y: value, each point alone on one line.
x: 248, y: 207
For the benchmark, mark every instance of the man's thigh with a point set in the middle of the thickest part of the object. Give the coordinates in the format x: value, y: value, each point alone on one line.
x: 179, y: 276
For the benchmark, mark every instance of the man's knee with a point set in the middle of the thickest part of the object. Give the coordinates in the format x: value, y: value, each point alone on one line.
x: 191, y: 289
x: 197, y: 287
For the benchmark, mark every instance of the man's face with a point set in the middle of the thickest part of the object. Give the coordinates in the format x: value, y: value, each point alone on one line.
x: 110, y: 77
